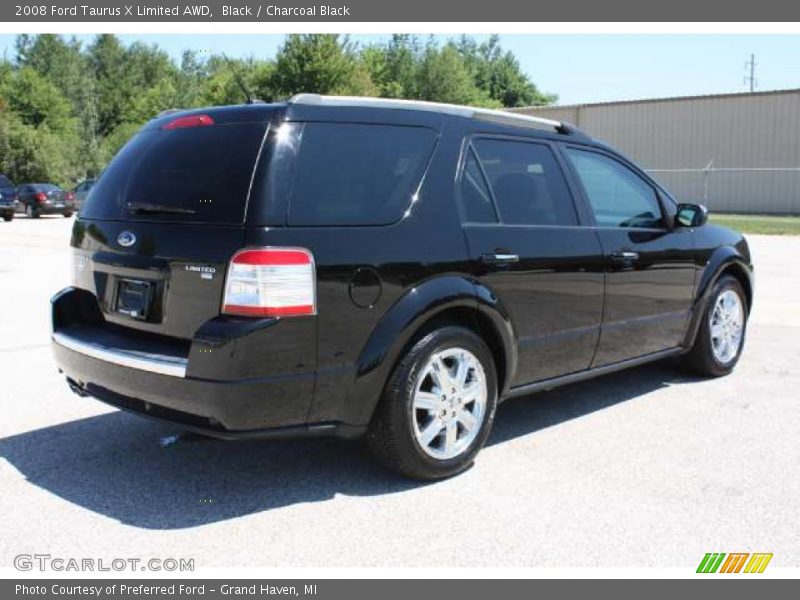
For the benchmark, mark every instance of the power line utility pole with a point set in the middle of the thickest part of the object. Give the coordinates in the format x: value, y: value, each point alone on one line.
x: 750, y: 66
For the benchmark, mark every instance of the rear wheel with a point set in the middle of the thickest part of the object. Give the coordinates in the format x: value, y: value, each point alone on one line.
x: 438, y: 407
x: 68, y: 214
x: 719, y: 341
x: 31, y: 212
x: 8, y: 217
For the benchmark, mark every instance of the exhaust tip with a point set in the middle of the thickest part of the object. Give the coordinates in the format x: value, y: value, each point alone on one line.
x: 76, y: 388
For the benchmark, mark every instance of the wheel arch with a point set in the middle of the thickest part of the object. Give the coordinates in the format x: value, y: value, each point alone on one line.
x: 724, y: 261
x: 445, y: 300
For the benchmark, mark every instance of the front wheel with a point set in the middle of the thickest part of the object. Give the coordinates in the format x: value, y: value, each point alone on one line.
x: 438, y: 407
x: 719, y: 341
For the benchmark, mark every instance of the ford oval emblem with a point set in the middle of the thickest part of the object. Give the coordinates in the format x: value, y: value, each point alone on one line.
x: 126, y: 239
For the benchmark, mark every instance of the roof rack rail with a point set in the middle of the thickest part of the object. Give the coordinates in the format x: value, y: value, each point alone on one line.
x: 484, y: 114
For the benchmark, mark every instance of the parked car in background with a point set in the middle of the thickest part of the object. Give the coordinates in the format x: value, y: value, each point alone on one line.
x: 38, y: 199
x: 382, y: 268
x: 81, y: 191
x: 8, y: 198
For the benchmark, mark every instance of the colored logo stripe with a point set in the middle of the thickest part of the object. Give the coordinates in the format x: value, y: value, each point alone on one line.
x: 758, y: 563
x: 710, y: 562
x: 734, y: 562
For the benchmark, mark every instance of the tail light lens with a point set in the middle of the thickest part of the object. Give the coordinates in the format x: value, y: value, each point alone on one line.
x: 40, y: 197
x: 271, y: 282
x: 190, y: 121
x: 70, y: 195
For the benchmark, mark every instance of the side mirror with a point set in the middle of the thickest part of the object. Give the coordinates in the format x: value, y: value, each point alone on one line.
x: 691, y: 215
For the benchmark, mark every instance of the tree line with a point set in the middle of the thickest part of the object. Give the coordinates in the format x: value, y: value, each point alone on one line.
x: 66, y: 108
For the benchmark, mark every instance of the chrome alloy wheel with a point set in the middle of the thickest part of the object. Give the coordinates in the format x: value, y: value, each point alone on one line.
x: 449, y: 403
x: 727, y: 326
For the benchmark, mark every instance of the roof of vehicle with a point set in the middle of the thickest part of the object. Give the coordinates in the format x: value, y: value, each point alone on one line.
x: 308, y: 103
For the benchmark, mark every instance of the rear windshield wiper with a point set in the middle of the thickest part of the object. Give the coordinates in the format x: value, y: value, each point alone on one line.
x: 154, y: 209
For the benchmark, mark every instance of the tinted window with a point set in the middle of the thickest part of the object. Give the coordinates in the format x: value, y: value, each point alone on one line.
x: 204, y: 172
x: 350, y: 174
x: 5, y: 182
x: 527, y: 182
x: 618, y: 196
x: 476, y: 199
x: 46, y: 187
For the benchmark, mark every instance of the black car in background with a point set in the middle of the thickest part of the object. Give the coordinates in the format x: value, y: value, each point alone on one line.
x: 81, y: 191
x: 8, y: 198
x: 381, y: 268
x: 38, y: 199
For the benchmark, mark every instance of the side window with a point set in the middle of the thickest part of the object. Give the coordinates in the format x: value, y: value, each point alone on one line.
x: 355, y: 174
x: 618, y: 196
x: 476, y: 199
x: 527, y: 182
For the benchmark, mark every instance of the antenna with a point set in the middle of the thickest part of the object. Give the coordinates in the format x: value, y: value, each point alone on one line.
x: 238, y: 77
x: 750, y: 78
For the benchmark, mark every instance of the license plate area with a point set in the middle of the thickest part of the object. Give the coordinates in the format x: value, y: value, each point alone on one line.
x: 134, y: 297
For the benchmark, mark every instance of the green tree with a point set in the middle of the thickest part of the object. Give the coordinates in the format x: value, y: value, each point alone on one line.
x: 444, y: 77
x: 319, y: 63
x: 37, y: 102
x: 32, y: 154
x: 499, y: 75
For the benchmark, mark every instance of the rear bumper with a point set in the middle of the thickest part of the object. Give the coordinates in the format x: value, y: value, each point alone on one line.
x: 154, y: 378
x: 46, y: 209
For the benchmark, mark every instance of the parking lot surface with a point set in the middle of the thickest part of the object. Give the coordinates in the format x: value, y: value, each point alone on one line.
x: 648, y: 467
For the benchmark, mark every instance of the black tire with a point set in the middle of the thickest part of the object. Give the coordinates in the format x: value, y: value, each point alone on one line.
x: 391, y: 433
x: 8, y: 217
x: 701, y: 358
x: 67, y: 214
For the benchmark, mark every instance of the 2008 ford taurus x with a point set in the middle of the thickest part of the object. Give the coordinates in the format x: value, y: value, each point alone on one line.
x: 382, y: 268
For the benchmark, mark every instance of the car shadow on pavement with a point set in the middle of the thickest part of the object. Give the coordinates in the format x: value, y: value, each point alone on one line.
x: 115, y: 464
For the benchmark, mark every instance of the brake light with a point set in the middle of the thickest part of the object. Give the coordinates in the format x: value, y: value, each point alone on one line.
x: 271, y: 282
x: 70, y: 196
x: 190, y: 121
x: 40, y: 196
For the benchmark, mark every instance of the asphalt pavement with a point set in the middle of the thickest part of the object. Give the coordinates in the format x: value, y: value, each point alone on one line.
x: 644, y: 468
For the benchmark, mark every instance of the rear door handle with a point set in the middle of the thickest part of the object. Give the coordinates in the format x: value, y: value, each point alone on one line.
x: 624, y: 256
x: 499, y: 259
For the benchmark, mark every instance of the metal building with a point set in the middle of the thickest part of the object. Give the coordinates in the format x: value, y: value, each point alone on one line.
x: 732, y: 152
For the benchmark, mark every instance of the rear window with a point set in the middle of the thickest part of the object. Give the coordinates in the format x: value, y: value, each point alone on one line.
x: 354, y: 174
x: 198, y: 174
x: 46, y: 187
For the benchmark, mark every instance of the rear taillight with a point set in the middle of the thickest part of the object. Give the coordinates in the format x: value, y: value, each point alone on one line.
x: 70, y: 195
x: 271, y: 282
x: 40, y: 197
x: 190, y: 121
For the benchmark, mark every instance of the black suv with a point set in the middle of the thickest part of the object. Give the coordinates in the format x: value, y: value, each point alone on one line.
x: 381, y: 268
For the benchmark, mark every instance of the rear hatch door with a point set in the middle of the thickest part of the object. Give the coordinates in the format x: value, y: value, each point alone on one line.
x: 154, y: 238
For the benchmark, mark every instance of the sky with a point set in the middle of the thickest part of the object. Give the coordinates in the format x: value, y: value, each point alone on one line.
x: 579, y: 68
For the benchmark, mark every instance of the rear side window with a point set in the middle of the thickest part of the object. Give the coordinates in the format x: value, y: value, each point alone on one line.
x: 199, y: 174
x: 354, y: 174
x: 527, y: 182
